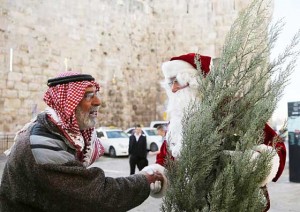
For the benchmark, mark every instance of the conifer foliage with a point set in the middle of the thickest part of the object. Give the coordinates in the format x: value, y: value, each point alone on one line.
x: 216, y: 170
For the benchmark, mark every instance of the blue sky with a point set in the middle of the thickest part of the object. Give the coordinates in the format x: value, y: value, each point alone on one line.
x: 290, y: 11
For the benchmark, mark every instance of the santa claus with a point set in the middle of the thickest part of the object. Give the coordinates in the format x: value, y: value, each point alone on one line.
x: 181, y: 87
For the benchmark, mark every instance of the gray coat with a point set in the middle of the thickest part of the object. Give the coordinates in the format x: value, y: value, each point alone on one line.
x: 30, y: 185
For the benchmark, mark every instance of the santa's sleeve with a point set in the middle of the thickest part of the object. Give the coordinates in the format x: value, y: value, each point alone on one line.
x: 271, y: 137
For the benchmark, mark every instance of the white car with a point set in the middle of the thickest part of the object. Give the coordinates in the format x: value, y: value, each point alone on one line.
x: 156, y: 123
x: 154, y: 141
x: 114, y: 141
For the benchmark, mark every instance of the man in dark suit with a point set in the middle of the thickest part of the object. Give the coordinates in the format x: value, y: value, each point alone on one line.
x: 137, y: 150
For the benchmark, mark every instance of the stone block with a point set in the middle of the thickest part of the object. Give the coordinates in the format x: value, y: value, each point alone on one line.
x: 14, y: 76
x: 24, y: 94
x: 10, y: 84
x: 34, y: 86
x: 12, y: 104
x: 21, y: 86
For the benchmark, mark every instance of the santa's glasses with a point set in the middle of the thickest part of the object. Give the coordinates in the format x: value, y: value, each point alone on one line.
x: 173, y: 81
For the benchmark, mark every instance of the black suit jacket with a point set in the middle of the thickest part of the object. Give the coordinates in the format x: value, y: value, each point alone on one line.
x: 138, y: 148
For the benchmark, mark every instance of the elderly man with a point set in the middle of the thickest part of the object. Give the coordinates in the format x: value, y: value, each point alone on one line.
x: 47, y: 169
x: 181, y: 87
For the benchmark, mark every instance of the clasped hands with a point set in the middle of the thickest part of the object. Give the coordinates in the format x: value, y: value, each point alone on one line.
x: 156, y: 178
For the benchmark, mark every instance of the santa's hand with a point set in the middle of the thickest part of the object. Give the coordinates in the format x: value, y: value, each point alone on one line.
x: 159, y: 182
x: 274, y: 161
x: 255, y: 154
x: 155, y: 187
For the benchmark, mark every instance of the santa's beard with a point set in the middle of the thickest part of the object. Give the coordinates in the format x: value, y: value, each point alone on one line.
x: 85, y: 119
x: 178, y: 103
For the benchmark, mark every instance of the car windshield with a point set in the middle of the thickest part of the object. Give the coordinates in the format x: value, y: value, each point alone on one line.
x: 152, y: 132
x: 116, y: 134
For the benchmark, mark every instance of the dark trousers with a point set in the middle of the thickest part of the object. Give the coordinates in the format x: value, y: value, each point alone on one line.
x: 137, y: 161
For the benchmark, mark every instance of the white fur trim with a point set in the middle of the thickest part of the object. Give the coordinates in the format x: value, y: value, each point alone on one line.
x: 185, y: 77
x: 180, y: 69
x: 275, y: 162
x: 274, y: 169
x: 164, y: 187
x: 176, y: 150
x: 262, y: 148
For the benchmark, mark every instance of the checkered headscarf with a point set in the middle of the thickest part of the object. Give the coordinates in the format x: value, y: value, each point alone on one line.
x: 62, y: 100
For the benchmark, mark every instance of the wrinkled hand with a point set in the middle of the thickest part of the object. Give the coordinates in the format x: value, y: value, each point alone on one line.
x: 154, y: 178
x: 157, y: 180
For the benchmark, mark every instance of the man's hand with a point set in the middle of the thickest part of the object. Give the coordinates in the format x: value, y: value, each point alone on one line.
x: 157, y: 180
x: 152, y: 175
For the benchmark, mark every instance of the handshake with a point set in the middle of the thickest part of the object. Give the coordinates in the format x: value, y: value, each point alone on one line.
x: 157, y: 179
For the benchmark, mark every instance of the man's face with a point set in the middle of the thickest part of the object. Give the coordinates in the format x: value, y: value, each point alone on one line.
x: 179, y: 96
x: 174, y: 84
x: 87, y: 110
x: 161, y: 132
x: 138, y: 130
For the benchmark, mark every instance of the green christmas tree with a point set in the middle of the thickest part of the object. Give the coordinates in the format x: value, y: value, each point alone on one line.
x: 216, y: 171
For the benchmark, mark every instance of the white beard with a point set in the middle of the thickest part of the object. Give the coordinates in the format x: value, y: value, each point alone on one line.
x: 178, y: 103
x: 84, y: 120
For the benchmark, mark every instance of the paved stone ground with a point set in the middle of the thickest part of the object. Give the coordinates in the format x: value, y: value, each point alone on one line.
x: 284, y: 195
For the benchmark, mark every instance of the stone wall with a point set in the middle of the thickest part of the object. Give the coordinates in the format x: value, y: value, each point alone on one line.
x: 122, y: 43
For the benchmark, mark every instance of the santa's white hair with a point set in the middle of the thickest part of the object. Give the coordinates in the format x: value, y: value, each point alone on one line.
x: 177, y: 105
x: 179, y: 101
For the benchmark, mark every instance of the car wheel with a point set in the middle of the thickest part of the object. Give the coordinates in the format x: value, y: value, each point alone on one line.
x: 153, y: 147
x: 112, y: 152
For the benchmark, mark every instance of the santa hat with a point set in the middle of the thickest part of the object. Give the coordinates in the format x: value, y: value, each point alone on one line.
x: 184, y: 68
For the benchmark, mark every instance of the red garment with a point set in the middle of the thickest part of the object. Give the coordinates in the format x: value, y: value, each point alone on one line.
x: 270, y: 134
x: 161, y: 157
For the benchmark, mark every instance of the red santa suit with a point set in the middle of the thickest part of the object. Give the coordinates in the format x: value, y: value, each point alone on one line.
x: 269, y: 137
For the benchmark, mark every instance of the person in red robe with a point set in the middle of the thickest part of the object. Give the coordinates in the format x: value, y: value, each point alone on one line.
x: 162, y: 153
x: 181, y: 86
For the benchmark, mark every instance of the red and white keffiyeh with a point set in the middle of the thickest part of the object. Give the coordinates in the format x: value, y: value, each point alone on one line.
x: 62, y: 100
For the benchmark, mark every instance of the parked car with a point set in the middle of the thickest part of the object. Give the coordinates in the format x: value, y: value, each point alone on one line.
x: 156, y: 123
x: 154, y: 141
x: 114, y: 141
